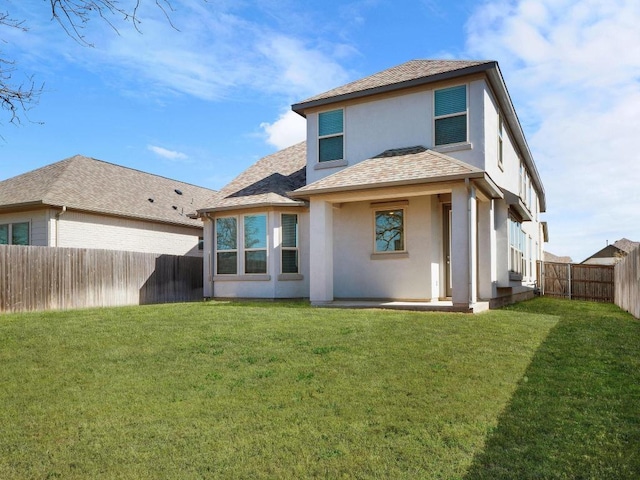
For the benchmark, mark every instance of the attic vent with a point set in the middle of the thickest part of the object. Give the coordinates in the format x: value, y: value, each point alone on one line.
x: 150, y: 199
x: 179, y: 192
x: 174, y: 207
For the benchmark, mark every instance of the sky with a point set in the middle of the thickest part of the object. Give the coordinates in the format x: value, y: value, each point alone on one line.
x: 203, y: 96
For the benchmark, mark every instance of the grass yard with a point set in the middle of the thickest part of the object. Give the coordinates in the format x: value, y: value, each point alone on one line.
x: 544, y: 389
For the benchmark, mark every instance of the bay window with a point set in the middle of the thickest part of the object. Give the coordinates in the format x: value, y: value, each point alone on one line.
x: 289, y: 250
x: 255, y: 243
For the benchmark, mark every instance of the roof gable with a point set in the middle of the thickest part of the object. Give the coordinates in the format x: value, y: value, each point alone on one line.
x: 409, y: 74
x: 92, y: 185
x: 266, y: 182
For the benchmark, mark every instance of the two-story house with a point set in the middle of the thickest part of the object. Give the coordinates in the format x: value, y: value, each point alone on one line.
x: 414, y: 184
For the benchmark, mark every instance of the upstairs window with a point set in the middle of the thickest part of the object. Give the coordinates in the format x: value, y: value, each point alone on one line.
x: 450, y: 115
x: 14, y: 234
x: 500, y: 142
x: 389, y: 231
x: 331, y: 135
x: 290, y: 243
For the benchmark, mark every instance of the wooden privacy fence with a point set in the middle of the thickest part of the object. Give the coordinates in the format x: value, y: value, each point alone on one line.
x: 577, y: 281
x: 627, y: 278
x: 47, y: 278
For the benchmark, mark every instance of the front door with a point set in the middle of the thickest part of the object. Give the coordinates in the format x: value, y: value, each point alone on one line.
x: 446, y: 242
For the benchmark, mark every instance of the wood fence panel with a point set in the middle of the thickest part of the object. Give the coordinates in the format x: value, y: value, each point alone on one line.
x: 46, y: 278
x: 627, y: 279
x: 555, y: 280
x: 592, y: 282
x: 576, y: 281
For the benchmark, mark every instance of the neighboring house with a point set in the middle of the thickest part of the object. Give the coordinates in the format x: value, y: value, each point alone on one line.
x: 414, y: 184
x: 551, y: 258
x: 81, y: 202
x: 612, y: 254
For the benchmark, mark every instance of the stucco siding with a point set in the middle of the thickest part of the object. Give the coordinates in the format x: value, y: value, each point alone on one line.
x: 359, y: 274
x: 85, y: 230
x: 398, y: 121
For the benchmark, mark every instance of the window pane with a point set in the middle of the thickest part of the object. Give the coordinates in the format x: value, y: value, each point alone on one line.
x: 20, y: 234
x: 227, y: 263
x: 331, y: 149
x: 289, y: 230
x: 451, y: 100
x: 389, y: 231
x: 255, y: 261
x: 451, y: 130
x: 255, y: 231
x: 226, y: 233
x: 4, y: 234
x: 289, y: 261
x: 330, y: 123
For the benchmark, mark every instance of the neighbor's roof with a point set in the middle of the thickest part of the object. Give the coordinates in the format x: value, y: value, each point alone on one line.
x: 87, y: 184
x: 626, y: 245
x: 265, y: 183
x: 551, y: 258
x: 401, y: 166
x: 409, y: 74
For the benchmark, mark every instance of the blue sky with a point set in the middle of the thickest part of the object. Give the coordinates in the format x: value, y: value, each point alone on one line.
x: 201, y: 102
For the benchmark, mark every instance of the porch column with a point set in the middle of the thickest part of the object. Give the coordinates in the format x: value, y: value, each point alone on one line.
x: 321, y: 251
x: 464, y: 246
x: 487, y: 271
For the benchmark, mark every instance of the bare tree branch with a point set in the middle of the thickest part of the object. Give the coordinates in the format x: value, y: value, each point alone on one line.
x: 73, y: 16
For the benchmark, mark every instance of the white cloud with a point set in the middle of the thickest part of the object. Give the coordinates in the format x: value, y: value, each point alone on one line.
x: 573, y: 71
x: 168, y: 154
x: 289, y: 129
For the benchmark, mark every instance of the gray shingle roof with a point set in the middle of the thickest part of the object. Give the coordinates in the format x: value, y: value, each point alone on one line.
x: 411, y: 73
x: 626, y: 245
x: 92, y: 185
x: 266, y: 182
x: 398, y: 166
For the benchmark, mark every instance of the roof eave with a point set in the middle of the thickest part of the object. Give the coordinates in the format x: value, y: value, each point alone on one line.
x: 492, y: 189
x: 500, y: 89
x: 299, y: 108
x: 296, y: 204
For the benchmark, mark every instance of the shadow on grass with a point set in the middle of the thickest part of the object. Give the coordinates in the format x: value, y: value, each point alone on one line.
x: 576, y: 412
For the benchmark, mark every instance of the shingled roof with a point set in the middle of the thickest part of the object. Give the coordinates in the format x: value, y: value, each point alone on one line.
x: 411, y: 73
x: 401, y: 166
x: 265, y: 183
x: 91, y: 185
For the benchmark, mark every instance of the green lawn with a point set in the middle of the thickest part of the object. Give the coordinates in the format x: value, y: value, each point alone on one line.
x: 544, y: 389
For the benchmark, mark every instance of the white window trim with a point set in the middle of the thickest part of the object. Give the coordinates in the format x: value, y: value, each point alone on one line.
x: 451, y: 146
x: 339, y: 162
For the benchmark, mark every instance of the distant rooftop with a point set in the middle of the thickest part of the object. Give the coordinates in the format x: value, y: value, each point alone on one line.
x: 91, y: 185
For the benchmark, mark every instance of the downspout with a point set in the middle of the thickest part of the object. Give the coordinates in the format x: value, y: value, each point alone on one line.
x: 58, y: 215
